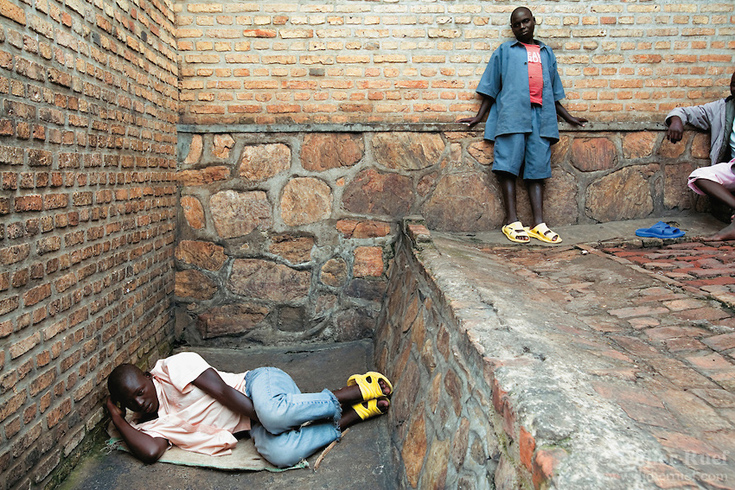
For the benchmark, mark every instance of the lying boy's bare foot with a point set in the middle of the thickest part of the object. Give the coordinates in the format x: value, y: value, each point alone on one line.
x: 349, y: 395
x: 350, y: 417
x: 727, y: 233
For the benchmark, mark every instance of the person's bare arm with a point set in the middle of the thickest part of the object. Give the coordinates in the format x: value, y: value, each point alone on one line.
x: 212, y: 384
x: 564, y: 114
x: 146, y: 448
x: 487, y: 103
x: 676, y: 129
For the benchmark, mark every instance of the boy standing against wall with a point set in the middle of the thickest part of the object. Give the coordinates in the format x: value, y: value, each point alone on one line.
x: 521, y: 91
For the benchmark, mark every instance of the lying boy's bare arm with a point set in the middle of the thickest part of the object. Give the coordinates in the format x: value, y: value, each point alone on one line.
x: 564, y: 114
x: 487, y: 103
x: 146, y: 448
x: 212, y: 384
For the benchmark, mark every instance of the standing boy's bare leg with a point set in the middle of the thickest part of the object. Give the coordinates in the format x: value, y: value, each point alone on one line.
x: 536, y: 196
x: 508, y: 189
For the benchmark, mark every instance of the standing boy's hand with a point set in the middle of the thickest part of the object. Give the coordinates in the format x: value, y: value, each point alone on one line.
x: 576, y: 121
x: 470, y: 121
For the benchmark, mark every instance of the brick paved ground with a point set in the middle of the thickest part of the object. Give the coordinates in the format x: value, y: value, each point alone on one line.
x: 667, y: 317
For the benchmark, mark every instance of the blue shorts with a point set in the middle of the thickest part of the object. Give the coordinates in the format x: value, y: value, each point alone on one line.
x: 527, y: 151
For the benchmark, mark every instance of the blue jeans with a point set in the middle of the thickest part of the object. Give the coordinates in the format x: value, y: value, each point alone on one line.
x: 282, y: 409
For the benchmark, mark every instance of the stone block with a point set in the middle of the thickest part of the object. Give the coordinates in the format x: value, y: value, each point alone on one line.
x: 351, y: 228
x: 482, y: 151
x: 295, y: 249
x: 368, y: 262
x: 701, y: 144
x: 463, y: 202
x: 366, y: 289
x: 592, y: 154
x: 435, y: 474
x: 407, y: 151
x: 639, y: 144
x: 305, y: 200
x: 674, y: 150
x: 205, y: 255
x: 269, y: 281
x: 230, y: 319
x: 460, y: 443
x: 209, y: 175
x: 334, y: 272
x: 236, y: 214
x: 261, y: 162
x: 193, y: 212
x: 195, y: 150
x: 676, y: 192
x: 624, y: 194
x: 414, y: 447
x: 221, y: 145
x: 373, y: 192
x: 561, y: 205
x: 560, y: 149
x: 194, y: 284
x: 324, y: 151
x: 355, y: 323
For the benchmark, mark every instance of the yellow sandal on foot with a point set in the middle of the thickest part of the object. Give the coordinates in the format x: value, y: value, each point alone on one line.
x: 369, y: 386
x: 543, y: 233
x: 368, y: 409
x: 515, y: 232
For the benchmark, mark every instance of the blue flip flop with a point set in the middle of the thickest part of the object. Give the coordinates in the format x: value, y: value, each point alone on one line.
x: 660, y: 230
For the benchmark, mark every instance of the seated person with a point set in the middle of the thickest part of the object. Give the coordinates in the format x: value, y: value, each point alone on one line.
x: 185, y: 402
x: 718, y: 180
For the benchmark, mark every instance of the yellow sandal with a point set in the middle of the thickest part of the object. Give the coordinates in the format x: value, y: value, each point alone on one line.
x: 543, y: 233
x: 515, y: 232
x: 369, y: 386
x: 368, y: 409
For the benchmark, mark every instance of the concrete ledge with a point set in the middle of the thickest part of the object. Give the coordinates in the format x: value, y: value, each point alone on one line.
x: 503, y: 386
x: 408, y: 127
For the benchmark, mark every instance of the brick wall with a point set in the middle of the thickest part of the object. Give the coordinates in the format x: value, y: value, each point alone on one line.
x: 88, y: 99
x: 310, y: 61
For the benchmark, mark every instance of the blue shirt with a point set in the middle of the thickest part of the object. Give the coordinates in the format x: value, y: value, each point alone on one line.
x: 506, y: 80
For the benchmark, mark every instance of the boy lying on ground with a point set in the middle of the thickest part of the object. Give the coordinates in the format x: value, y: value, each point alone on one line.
x: 185, y: 402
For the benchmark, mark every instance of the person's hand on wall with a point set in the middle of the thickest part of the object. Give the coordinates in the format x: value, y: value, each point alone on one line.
x: 676, y: 129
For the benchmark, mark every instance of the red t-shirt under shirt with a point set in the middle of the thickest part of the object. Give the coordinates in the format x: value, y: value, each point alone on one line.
x: 535, y: 73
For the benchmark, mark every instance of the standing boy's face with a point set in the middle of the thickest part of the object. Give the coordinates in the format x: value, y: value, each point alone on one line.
x: 732, y: 85
x: 523, y: 24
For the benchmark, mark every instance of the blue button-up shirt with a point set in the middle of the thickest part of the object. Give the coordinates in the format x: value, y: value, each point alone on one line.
x: 506, y: 80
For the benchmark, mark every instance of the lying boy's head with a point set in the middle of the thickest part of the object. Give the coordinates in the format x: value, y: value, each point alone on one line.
x: 523, y: 23
x: 133, y: 388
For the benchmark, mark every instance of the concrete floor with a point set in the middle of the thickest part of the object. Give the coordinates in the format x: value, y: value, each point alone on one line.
x: 360, y: 460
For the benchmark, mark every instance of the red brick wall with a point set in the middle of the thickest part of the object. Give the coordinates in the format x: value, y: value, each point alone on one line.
x: 88, y: 101
x: 311, y: 61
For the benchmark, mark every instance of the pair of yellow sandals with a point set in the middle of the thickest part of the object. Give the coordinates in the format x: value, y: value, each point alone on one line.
x: 371, y: 393
x: 516, y: 232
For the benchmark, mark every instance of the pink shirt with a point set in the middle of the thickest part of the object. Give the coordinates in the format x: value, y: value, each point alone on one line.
x: 188, y: 417
x: 535, y: 73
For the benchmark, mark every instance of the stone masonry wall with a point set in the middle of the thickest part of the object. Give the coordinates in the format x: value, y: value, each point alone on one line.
x: 286, y: 237
x: 88, y: 112
x: 445, y: 433
x: 359, y: 61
